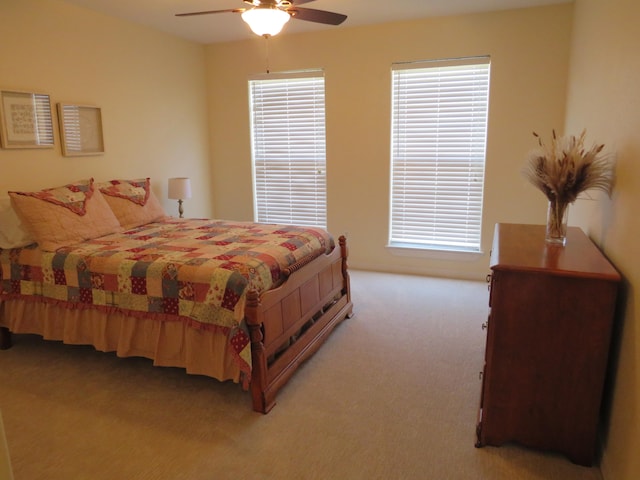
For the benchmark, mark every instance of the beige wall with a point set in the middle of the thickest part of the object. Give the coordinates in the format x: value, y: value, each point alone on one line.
x: 152, y: 90
x: 603, y: 97
x: 528, y: 89
x: 150, y: 86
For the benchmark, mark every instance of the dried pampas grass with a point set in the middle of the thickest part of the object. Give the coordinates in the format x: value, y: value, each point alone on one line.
x: 565, y: 168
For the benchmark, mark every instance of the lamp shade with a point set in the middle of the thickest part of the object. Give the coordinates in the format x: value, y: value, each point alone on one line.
x: 179, y: 188
x: 266, y: 20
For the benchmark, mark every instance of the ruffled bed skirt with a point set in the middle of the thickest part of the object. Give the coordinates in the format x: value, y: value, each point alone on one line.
x: 167, y: 343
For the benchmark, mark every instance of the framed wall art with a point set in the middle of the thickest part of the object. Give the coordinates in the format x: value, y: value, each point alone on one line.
x: 26, y: 120
x: 80, y: 129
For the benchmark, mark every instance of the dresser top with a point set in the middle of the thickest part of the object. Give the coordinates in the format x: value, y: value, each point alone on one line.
x: 523, y: 247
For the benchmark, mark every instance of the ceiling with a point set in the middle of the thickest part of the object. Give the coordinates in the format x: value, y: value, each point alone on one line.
x: 224, y: 27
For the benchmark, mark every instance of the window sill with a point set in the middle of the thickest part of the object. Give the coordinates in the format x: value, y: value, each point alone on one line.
x: 435, y: 253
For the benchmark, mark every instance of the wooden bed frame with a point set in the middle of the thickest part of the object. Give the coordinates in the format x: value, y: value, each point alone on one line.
x: 289, y: 323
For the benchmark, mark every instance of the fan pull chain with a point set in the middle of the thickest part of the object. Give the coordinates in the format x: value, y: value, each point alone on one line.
x: 266, y: 43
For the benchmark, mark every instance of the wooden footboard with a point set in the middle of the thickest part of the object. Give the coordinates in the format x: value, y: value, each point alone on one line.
x: 289, y: 323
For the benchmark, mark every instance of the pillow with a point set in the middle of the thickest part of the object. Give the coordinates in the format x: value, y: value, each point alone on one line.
x: 133, y: 202
x: 62, y: 216
x: 12, y: 232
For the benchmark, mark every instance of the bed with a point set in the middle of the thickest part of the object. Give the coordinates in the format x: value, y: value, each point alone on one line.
x: 102, y: 265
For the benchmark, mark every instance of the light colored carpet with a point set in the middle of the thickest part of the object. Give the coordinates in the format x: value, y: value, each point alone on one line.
x: 393, y: 394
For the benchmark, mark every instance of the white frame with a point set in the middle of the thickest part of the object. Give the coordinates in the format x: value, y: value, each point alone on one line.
x: 20, y: 120
x: 80, y: 129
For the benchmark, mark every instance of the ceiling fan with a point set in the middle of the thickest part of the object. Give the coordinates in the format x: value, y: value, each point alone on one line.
x: 267, y: 17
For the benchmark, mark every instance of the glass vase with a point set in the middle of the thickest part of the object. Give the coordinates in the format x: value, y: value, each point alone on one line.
x: 557, y: 217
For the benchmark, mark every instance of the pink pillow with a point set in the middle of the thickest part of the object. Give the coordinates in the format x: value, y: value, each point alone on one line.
x: 62, y: 216
x: 133, y: 202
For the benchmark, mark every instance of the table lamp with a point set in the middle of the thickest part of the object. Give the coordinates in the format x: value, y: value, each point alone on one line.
x: 179, y: 189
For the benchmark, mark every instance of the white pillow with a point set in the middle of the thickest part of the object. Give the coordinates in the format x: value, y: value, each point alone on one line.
x: 12, y: 233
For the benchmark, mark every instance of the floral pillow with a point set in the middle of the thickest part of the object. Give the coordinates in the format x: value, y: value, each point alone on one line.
x: 133, y: 202
x: 73, y: 196
x: 136, y: 191
x: 61, y: 216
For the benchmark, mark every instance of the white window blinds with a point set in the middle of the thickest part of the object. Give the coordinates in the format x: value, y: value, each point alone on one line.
x: 438, y: 144
x: 288, y: 148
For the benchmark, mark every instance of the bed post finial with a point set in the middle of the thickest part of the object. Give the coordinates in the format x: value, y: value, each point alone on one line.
x: 258, y: 353
x: 344, y: 253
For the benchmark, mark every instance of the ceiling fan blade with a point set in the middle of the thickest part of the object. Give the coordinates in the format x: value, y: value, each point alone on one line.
x: 234, y: 10
x: 301, y: 2
x: 318, y: 16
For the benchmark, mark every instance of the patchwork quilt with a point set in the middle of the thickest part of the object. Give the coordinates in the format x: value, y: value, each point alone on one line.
x: 195, y: 271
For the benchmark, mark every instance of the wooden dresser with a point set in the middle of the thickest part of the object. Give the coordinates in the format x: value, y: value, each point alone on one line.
x: 551, y: 310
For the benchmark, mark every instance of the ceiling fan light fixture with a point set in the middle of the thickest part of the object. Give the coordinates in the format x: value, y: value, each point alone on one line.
x: 266, y: 20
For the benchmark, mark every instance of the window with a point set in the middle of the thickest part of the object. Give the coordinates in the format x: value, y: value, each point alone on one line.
x: 288, y: 148
x: 438, y: 144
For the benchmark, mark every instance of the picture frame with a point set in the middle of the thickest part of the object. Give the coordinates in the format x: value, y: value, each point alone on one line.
x: 80, y: 129
x: 25, y: 119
